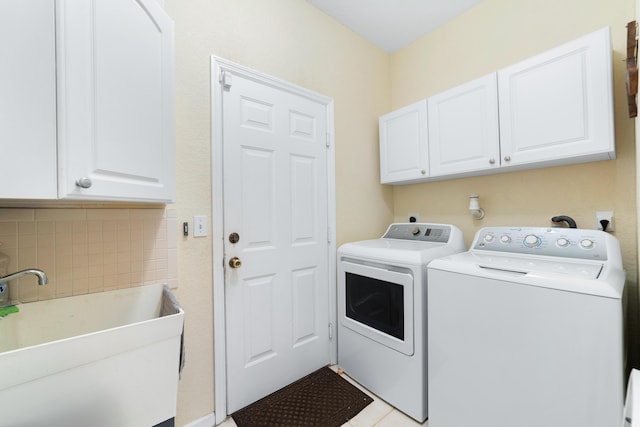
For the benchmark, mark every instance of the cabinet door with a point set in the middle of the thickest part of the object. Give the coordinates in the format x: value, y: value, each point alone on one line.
x: 557, y: 107
x: 115, y: 89
x: 463, y: 128
x: 27, y: 99
x: 403, y: 145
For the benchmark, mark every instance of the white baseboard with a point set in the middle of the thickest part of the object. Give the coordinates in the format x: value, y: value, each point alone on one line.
x: 206, y: 421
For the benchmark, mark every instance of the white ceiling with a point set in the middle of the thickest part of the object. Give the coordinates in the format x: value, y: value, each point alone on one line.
x: 392, y: 24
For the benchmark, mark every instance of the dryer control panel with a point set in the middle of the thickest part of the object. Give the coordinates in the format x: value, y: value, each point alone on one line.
x: 418, y: 231
x: 556, y: 242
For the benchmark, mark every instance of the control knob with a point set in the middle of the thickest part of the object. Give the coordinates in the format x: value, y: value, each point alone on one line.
x: 532, y: 241
x: 587, y: 243
x: 505, y: 239
x: 562, y: 242
x: 489, y: 238
x: 415, y: 231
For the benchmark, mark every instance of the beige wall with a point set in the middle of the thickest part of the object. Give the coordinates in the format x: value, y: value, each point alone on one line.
x: 291, y: 40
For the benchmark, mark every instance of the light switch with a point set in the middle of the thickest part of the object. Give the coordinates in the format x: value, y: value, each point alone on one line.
x: 199, y: 225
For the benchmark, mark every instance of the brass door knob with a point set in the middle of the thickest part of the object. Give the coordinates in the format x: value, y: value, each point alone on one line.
x: 235, y: 262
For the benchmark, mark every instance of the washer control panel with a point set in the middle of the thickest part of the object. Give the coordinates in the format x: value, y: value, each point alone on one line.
x: 559, y: 242
x: 418, y: 231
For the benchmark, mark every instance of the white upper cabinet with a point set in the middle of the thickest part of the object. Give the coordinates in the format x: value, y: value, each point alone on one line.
x: 115, y: 101
x: 463, y: 128
x: 27, y: 99
x: 553, y: 109
x: 403, y: 144
x: 87, y: 103
x: 557, y: 107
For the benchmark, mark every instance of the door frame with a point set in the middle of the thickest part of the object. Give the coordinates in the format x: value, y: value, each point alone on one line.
x: 218, y: 67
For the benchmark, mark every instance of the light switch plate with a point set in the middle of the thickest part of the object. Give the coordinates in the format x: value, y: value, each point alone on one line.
x: 200, y: 226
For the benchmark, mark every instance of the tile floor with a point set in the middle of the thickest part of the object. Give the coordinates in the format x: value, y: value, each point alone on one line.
x: 377, y: 414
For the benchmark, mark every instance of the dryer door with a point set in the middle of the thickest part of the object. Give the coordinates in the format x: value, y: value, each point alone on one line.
x: 377, y: 303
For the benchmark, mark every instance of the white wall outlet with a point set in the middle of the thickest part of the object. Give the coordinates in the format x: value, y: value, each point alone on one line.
x: 606, y: 216
x: 413, y: 217
x: 200, y: 226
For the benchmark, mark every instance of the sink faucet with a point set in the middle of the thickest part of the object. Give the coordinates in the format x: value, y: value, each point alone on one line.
x: 4, y: 293
x: 42, y: 276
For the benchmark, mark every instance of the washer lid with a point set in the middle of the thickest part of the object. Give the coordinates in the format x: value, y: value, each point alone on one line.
x: 585, y: 277
x: 539, y: 265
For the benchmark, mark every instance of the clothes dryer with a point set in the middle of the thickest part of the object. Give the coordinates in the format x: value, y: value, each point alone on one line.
x: 382, y: 310
x: 526, y: 330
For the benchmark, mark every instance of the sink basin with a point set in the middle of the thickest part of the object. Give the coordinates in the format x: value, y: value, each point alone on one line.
x: 104, y: 359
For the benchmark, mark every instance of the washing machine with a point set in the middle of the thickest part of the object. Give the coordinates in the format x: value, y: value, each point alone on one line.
x: 526, y: 330
x: 382, y: 310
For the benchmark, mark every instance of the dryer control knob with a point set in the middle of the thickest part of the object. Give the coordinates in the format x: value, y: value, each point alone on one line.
x: 562, y: 242
x: 532, y: 241
x: 505, y: 239
x: 489, y: 238
x: 415, y: 231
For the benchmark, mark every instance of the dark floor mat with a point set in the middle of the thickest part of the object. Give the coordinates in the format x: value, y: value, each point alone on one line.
x: 321, y: 399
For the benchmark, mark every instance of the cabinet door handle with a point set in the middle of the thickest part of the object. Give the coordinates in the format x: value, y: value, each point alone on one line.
x: 492, y: 161
x: 84, y: 182
x: 507, y: 158
x: 423, y: 172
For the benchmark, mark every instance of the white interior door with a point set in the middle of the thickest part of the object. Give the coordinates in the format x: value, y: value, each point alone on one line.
x: 276, y: 201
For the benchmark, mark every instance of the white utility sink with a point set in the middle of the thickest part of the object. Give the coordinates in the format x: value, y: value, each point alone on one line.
x: 104, y: 359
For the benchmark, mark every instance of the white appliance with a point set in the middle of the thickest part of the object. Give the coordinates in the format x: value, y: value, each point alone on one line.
x: 526, y: 330
x: 631, y: 415
x: 381, y: 310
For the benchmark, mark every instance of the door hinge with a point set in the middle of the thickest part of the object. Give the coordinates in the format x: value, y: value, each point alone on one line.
x: 329, y: 234
x: 226, y: 79
x: 328, y: 140
x: 330, y: 331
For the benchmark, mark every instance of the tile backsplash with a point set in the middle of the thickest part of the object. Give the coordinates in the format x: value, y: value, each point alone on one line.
x: 88, y: 250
